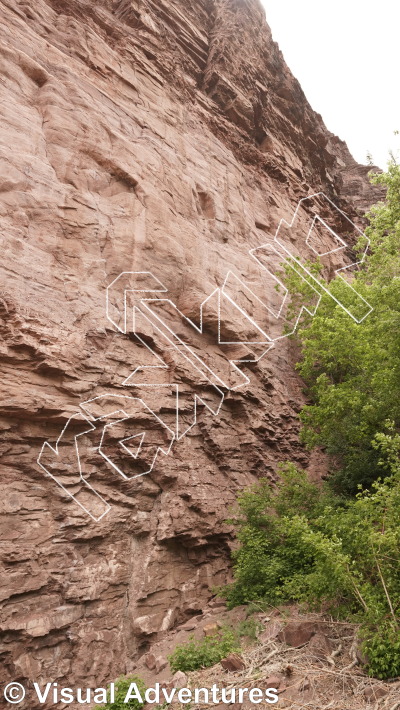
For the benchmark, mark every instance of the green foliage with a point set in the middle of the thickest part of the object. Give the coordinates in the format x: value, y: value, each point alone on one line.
x: 382, y: 648
x: 249, y: 628
x: 313, y: 543
x: 121, y: 689
x: 204, y: 652
x: 352, y: 371
x: 211, y: 649
x: 271, y: 551
x: 300, y: 542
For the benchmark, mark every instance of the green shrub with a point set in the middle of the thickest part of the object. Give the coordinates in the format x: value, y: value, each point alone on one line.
x: 272, y: 552
x: 306, y: 542
x: 204, y: 652
x: 382, y: 649
x: 121, y: 688
x: 249, y: 628
x: 352, y: 370
x: 300, y: 542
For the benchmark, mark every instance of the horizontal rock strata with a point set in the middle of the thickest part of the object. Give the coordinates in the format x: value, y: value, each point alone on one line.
x: 137, y: 136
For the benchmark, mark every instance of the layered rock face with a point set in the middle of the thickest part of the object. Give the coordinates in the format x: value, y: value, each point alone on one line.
x: 167, y: 139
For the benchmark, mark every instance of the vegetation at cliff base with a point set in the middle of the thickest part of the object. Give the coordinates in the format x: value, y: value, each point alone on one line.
x: 122, y: 686
x: 204, y: 652
x: 300, y: 542
x: 207, y: 651
x: 351, y: 370
x: 336, y: 545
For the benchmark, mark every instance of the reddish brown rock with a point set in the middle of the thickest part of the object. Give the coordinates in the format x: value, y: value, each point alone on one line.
x: 190, y: 624
x: 179, y: 680
x: 218, y: 604
x: 160, y: 664
x: 233, y: 662
x: 273, y: 681
x: 320, y: 646
x: 150, y: 661
x: 271, y: 631
x: 375, y: 692
x: 211, y: 629
x: 165, y: 137
x: 298, y: 633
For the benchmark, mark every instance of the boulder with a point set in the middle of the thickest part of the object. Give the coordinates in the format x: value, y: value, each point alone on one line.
x: 233, y: 662
x: 211, y: 629
x: 320, y: 646
x: 271, y: 631
x: 374, y: 692
x: 298, y: 633
x: 179, y: 679
x: 150, y: 661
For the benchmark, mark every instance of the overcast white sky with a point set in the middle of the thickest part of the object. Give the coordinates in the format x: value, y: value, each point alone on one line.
x: 346, y: 56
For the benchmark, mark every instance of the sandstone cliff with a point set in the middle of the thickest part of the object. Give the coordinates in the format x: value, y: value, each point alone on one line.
x: 137, y: 136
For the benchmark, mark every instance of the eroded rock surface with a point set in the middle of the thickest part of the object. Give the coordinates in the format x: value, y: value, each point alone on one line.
x: 146, y: 136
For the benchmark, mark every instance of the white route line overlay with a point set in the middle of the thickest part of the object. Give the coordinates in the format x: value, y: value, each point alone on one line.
x: 166, y: 333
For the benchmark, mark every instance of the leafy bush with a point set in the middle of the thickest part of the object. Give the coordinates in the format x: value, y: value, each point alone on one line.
x: 121, y: 688
x: 382, y: 649
x: 309, y: 543
x: 271, y: 550
x: 300, y: 542
x: 352, y: 371
x: 204, y: 652
x: 249, y: 628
